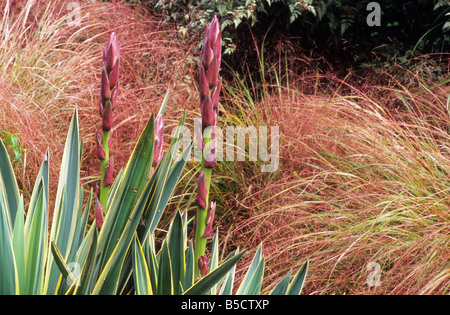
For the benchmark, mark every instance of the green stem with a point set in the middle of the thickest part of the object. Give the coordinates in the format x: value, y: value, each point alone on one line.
x: 104, y: 191
x: 202, y: 214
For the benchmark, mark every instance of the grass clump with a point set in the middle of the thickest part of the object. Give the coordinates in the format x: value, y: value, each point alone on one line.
x: 363, y: 178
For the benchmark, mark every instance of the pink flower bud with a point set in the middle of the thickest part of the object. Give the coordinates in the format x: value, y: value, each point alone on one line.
x: 208, y: 117
x: 100, y: 151
x: 114, y: 93
x: 216, y: 94
x: 203, y: 265
x: 105, y: 90
x: 210, y: 220
x: 214, y: 31
x: 209, y: 83
x: 98, y: 213
x: 212, y: 74
x: 114, y: 76
x: 159, y: 136
x: 107, y: 119
x: 97, y: 191
x: 201, y: 190
x: 108, y: 180
x: 100, y: 108
x: 112, y: 52
x: 207, y: 54
x: 204, y: 86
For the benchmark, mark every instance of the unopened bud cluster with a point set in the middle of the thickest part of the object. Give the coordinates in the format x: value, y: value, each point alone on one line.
x: 210, y: 85
x: 108, y: 96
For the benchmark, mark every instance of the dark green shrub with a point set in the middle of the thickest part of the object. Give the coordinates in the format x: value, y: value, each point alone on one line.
x: 406, y: 26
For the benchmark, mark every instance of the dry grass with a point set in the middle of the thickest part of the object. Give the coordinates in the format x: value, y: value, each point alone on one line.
x: 364, y: 163
x: 360, y: 181
x: 47, y: 68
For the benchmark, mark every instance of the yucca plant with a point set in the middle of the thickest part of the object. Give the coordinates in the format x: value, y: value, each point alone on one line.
x: 171, y: 269
x: 116, y: 254
x: 77, y: 258
x: 80, y: 259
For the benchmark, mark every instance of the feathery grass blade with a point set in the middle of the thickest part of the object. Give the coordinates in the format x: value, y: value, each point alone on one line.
x: 296, y: 286
x: 251, y: 285
x: 141, y: 275
x: 212, y: 278
x: 10, y: 184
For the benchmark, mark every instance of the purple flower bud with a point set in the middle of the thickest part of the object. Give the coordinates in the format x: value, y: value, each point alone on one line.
x: 207, y: 54
x: 114, y: 93
x: 100, y: 108
x: 98, y: 213
x: 212, y: 74
x: 97, y: 190
x: 217, y: 50
x: 110, y: 138
x: 105, y: 90
x: 201, y: 190
x: 107, y: 119
x: 159, y: 136
x: 208, y: 117
x: 100, y: 151
x: 114, y: 76
x: 110, y: 74
x: 210, y: 220
x: 214, y: 31
x: 216, y: 94
x: 209, y: 83
x: 203, y: 265
x: 112, y: 52
x: 108, y: 180
x: 204, y: 86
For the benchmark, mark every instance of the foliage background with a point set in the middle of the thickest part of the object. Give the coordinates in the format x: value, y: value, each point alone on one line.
x: 333, y: 26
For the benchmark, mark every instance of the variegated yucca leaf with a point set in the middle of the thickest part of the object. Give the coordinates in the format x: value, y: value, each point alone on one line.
x: 170, y: 270
x: 76, y: 258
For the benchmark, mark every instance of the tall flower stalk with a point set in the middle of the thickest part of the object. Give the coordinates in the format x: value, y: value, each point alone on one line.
x: 209, y: 86
x: 108, y: 96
